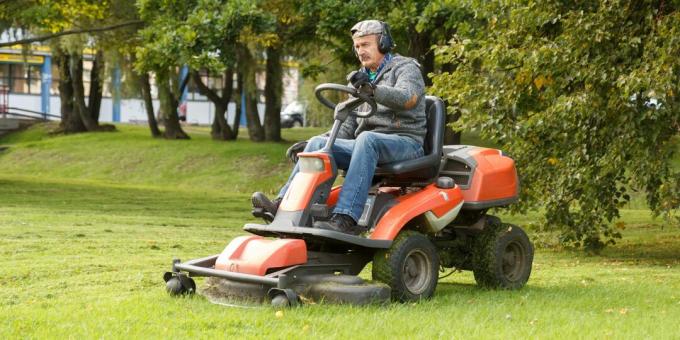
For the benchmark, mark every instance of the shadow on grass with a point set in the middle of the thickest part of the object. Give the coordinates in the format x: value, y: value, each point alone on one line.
x: 659, y: 252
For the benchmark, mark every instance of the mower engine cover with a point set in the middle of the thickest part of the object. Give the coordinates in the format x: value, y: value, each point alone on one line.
x: 256, y: 255
x: 486, y: 177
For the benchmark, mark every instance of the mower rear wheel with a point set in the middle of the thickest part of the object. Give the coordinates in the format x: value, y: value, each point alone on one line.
x: 409, y: 267
x: 502, y: 256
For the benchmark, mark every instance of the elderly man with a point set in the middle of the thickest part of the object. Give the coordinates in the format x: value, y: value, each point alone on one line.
x: 394, y: 133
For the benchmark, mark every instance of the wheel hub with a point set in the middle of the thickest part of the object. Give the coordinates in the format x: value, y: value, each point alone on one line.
x: 416, y: 271
x: 513, y: 261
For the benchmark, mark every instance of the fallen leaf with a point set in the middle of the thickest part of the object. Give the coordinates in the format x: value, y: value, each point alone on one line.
x: 539, y: 81
x: 279, y: 314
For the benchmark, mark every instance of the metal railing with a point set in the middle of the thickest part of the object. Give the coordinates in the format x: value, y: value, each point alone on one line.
x: 30, y: 114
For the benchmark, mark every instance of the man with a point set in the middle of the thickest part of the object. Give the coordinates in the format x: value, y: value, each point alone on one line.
x: 394, y: 133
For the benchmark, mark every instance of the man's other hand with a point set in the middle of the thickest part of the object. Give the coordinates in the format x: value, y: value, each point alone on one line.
x: 361, y: 82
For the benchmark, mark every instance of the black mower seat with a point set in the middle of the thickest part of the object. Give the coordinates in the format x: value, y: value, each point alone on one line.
x: 426, y: 168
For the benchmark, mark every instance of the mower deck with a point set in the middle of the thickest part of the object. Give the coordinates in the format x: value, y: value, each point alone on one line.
x: 327, y: 282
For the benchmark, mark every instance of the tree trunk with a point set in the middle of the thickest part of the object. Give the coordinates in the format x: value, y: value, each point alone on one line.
x: 169, y: 104
x: 227, y: 92
x: 148, y: 104
x: 451, y: 137
x: 76, y: 67
x: 419, y: 48
x: 249, y: 86
x: 255, y: 129
x: 238, y: 112
x: 220, y: 130
x: 95, y: 99
x: 272, y: 92
x: 70, y: 121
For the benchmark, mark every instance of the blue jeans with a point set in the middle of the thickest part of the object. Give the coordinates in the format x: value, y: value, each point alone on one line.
x: 359, y: 157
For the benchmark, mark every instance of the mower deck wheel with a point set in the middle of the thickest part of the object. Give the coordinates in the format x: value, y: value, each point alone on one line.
x: 409, y: 267
x: 179, y: 284
x: 280, y: 300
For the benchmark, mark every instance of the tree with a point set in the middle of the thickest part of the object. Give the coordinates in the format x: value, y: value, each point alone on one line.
x: 212, y: 35
x: 121, y: 46
x: 293, y: 28
x: 569, y: 90
x: 219, y: 30
x: 56, y: 21
x: 160, y: 45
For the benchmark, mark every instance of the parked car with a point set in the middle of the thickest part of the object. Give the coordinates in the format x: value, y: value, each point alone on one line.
x: 293, y: 115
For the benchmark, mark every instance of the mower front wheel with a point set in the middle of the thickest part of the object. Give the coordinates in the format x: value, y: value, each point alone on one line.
x: 179, y: 284
x: 502, y: 256
x: 409, y: 267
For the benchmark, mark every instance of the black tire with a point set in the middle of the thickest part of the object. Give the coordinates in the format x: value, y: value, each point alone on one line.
x: 296, y: 124
x: 174, y: 287
x: 502, y: 256
x: 410, y: 267
x: 280, y: 301
x: 179, y: 284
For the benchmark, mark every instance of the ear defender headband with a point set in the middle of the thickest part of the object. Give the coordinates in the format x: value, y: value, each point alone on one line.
x: 385, y: 42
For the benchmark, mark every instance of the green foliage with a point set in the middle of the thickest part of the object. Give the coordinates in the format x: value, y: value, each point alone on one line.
x: 565, y: 88
x: 200, y: 34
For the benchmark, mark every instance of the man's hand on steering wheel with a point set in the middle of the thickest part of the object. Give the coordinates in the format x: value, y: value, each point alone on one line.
x: 347, y: 107
x: 361, y: 82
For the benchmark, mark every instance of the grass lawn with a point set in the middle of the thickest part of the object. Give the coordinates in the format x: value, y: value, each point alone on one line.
x: 89, y: 223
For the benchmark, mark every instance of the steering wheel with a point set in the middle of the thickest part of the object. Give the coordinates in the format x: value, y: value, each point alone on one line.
x: 348, y: 105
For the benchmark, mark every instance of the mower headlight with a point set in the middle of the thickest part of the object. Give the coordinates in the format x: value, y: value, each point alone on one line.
x: 311, y: 164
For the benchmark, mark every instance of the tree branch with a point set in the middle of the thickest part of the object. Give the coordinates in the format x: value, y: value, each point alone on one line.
x: 204, y: 89
x: 69, y: 32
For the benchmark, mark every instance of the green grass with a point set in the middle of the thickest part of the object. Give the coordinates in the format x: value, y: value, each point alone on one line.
x: 89, y: 223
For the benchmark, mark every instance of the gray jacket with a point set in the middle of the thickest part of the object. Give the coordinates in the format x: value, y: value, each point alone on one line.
x: 400, y: 94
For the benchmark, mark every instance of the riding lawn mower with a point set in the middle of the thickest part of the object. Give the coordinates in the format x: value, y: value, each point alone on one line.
x: 422, y: 215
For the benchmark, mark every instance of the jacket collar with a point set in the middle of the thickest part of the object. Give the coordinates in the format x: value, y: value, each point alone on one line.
x: 386, y: 61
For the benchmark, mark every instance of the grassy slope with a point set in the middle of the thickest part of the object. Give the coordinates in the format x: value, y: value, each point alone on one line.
x: 132, y: 158
x: 83, y: 245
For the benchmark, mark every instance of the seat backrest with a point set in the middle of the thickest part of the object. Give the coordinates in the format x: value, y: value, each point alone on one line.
x: 426, y: 168
x: 435, y: 111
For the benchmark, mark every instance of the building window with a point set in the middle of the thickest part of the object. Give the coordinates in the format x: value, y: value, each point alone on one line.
x: 4, y: 74
x: 54, y: 86
x: 21, y: 78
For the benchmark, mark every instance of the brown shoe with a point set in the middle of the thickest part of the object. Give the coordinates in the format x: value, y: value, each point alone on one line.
x: 261, y: 201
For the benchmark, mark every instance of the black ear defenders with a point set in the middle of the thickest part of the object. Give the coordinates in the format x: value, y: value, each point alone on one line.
x: 385, y: 42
